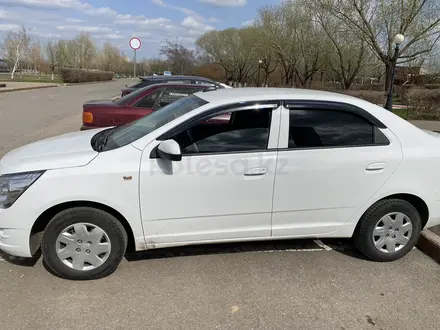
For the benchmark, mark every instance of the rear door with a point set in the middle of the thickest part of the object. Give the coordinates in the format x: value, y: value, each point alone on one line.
x: 332, y: 159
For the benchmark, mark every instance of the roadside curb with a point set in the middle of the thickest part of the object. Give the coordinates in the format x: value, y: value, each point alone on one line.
x: 26, y: 88
x: 429, y: 243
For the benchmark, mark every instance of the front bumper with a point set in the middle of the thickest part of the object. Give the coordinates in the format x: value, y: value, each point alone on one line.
x: 15, y: 241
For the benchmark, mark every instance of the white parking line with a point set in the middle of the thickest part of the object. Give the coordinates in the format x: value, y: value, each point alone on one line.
x: 321, y: 244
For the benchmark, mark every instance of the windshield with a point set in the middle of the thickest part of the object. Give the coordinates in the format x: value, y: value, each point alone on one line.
x: 129, y: 97
x: 124, y: 135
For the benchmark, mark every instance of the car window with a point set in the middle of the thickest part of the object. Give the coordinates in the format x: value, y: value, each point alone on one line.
x: 172, y: 94
x: 145, y: 83
x: 135, y: 85
x: 204, y: 82
x: 244, y: 130
x: 130, y: 97
x: 149, y: 100
x: 327, y: 128
x: 129, y: 133
x: 171, y: 81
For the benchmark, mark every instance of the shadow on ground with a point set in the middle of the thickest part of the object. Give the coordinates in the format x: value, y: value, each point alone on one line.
x: 26, y: 262
x: 342, y: 246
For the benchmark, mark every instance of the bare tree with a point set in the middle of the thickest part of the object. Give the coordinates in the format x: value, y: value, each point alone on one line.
x: 35, y: 58
x: 378, y: 21
x: 84, y: 49
x: 276, y: 26
x: 267, y: 59
x: 180, y: 58
x: 290, y: 31
x: 52, y: 56
x: 16, y: 47
x: 233, y: 49
x: 347, y: 53
x: 111, y: 58
x: 157, y: 65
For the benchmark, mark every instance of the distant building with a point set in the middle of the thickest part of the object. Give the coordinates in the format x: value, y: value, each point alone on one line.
x: 406, y: 74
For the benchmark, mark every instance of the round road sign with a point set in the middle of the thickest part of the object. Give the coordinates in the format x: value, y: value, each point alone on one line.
x: 135, y: 43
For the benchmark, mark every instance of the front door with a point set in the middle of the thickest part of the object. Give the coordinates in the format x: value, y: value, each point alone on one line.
x: 222, y: 188
x: 331, y: 162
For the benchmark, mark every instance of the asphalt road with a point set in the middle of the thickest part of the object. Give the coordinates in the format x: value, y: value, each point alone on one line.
x: 27, y: 116
x: 282, y: 285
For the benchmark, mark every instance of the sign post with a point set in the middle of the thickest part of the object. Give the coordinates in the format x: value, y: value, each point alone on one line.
x: 135, y: 44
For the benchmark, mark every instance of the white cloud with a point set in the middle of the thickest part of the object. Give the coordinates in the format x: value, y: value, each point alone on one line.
x: 193, y: 24
x: 113, y: 36
x: 84, y: 7
x: 74, y: 20
x: 10, y: 27
x: 225, y: 3
x: 79, y: 28
x: 184, y: 10
x: 248, y: 23
x: 45, y: 34
x: 142, y: 34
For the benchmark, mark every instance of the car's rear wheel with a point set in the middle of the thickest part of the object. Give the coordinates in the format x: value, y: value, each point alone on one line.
x: 388, y: 230
x: 83, y: 243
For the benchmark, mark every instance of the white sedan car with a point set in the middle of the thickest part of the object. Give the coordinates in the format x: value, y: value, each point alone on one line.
x: 222, y: 166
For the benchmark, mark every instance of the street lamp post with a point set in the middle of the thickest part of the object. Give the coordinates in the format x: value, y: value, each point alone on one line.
x: 398, y: 39
x: 258, y: 76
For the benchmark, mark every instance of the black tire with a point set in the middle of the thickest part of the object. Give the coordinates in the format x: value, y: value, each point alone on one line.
x: 363, y: 235
x: 114, y: 229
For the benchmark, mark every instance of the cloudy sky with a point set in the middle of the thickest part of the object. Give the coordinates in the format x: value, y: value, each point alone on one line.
x: 153, y: 21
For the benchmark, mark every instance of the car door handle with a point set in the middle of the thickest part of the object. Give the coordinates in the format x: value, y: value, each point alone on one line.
x: 255, y: 171
x: 376, y: 166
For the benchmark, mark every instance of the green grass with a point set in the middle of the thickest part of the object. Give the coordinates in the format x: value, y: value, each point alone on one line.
x: 401, y: 113
x: 30, y: 78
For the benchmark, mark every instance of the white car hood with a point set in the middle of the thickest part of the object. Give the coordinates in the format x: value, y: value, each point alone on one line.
x: 68, y: 150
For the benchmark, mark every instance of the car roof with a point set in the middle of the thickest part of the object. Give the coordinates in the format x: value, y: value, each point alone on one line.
x: 233, y: 95
x: 174, y: 85
x: 174, y: 78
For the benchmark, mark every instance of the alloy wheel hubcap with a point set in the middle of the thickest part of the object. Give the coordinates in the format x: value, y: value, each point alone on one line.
x: 392, y: 232
x: 83, y: 246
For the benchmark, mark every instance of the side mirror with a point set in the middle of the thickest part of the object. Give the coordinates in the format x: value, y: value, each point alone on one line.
x: 169, y: 150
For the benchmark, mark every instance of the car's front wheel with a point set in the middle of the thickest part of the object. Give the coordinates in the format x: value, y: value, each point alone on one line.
x: 388, y: 230
x: 83, y: 243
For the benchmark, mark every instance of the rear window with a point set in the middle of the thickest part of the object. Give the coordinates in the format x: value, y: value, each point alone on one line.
x: 135, y: 85
x: 129, y: 97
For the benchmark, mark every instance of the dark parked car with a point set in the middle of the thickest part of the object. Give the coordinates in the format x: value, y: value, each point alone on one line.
x: 140, y: 103
x: 151, y: 80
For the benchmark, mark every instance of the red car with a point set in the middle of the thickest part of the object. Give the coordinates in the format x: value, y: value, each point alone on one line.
x: 137, y: 104
x: 152, y: 80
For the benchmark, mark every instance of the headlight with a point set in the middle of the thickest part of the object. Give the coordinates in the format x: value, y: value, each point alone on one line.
x: 13, y: 185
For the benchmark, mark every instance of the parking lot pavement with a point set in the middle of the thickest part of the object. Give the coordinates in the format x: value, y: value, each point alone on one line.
x: 27, y: 116
x: 281, y: 285
x: 284, y: 285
